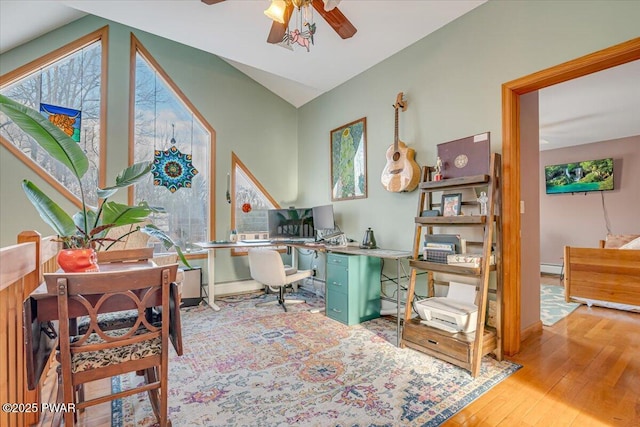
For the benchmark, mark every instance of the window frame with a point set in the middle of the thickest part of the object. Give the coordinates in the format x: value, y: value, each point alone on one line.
x: 101, y: 35
x: 237, y: 163
x: 138, y: 48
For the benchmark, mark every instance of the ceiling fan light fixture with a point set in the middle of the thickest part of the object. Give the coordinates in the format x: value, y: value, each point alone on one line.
x: 285, y: 44
x: 299, y: 28
x: 330, y: 4
x: 276, y: 9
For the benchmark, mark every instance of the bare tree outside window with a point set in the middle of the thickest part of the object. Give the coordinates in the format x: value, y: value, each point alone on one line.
x: 250, y: 203
x: 74, y: 81
x: 160, y: 117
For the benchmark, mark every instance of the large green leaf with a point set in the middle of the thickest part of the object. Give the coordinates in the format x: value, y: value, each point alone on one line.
x: 127, y: 177
x: 79, y: 220
x: 154, y: 209
x: 49, y: 211
x: 55, y: 142
x: 168, y: 243
x: 119, y: 214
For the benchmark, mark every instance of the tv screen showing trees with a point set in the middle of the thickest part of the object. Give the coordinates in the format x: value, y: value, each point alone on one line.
x: 579, y: 177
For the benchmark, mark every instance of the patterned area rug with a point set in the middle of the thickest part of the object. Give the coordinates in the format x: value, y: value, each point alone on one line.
x: 553, y: 308
x: 248, y: 366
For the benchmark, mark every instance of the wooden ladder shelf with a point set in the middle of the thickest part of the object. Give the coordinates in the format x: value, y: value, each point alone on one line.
x: 464, y: 350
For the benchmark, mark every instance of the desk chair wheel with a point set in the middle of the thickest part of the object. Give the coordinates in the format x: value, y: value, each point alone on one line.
x: 280, y: 300
x: 282, y: 303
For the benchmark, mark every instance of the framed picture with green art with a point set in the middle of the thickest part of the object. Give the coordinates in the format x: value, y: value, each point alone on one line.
x: 349, y: 161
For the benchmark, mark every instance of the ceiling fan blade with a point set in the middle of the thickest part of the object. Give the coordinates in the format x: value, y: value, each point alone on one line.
x: 336, y: 19
x: 210, y: 2
x: 277, y: 29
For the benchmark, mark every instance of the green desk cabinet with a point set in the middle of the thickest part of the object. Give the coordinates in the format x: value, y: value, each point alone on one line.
x: 352, y: 288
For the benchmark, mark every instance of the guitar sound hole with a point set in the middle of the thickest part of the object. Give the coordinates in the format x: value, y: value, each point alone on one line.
x: 396, y: 156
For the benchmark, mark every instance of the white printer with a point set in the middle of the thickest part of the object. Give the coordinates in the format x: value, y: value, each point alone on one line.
x: 454, y: 313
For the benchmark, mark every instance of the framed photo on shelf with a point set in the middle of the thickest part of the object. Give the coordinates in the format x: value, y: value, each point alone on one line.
x: 451, y: 204
x: 349, y: 161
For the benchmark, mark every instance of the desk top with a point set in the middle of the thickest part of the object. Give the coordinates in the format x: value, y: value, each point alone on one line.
x: 347, y: 250
x: 378, y: 253
x: 42, y: 292
x: 224, y: 244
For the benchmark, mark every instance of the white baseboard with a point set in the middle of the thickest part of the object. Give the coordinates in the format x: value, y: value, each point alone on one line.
x: 250, y: 285
x: 551, y: 268
x: 237, y: 287
x: 390, y: 307
x: 315, y: 286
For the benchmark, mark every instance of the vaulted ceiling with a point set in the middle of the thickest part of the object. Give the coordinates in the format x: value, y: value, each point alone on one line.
x: 601, y: 106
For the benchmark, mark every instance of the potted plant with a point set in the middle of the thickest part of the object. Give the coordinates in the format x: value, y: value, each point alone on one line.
x: 87, y: 229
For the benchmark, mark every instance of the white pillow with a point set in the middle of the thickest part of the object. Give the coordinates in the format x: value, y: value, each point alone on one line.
x: 614, y: 241
x: 634, y: 244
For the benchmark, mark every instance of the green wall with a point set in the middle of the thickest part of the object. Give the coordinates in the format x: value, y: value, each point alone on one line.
x: 452, y: 82
x: 248, y: 119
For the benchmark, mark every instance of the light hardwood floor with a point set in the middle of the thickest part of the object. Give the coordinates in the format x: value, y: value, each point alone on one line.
x: 582, y: 371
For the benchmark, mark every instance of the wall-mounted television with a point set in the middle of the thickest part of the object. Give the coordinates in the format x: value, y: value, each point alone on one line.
x: 579, y: 177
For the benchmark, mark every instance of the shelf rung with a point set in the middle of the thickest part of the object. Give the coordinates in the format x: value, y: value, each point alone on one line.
x: 445, y: 268
x: 461, y: 182
x: 460, y: 220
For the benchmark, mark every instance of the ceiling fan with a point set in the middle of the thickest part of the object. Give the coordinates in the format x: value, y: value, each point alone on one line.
x: 334, y: 18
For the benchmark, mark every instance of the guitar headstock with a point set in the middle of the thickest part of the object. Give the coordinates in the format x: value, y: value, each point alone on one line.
x: 400, y: 102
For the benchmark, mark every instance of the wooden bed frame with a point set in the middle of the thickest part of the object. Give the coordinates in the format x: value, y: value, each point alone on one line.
x: 611, y: 275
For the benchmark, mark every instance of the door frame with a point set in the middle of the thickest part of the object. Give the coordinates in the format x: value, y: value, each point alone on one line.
x: 511, y: 91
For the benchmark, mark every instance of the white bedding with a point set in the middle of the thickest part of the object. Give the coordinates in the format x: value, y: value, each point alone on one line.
x: 608, y: 304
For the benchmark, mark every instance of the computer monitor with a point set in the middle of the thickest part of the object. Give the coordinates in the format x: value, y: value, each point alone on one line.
x: 325, y: 223
x: 323, y: 217
x: 290, y: 223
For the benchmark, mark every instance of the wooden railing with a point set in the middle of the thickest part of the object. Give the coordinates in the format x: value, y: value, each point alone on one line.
x: 21, y: 269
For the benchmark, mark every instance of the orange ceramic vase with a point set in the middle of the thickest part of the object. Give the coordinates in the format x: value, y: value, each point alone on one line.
x: 78, y: 260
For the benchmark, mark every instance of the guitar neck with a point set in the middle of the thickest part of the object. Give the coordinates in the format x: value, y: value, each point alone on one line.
x: 395, y: 138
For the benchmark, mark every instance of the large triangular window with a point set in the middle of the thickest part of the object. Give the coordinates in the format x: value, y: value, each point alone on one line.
x: 250, y: 204
x: 170, y: 132
x: 65, y: 86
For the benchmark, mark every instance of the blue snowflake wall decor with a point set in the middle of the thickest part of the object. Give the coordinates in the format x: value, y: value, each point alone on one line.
x: 172, y: 169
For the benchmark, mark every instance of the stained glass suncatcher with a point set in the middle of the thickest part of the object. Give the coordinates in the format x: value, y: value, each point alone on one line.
x: 67, y: 119
x: 172, y: 169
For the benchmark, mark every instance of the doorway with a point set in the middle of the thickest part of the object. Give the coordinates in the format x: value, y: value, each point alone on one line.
x: 511, y: 92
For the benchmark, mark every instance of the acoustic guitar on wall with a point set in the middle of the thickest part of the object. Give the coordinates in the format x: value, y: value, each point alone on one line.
x: 401, y: 173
